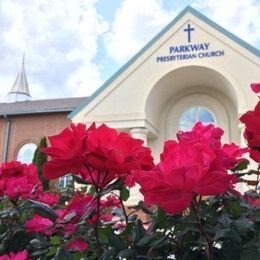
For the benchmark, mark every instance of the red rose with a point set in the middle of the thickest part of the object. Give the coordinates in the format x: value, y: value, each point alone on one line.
x: 22, y: 255
x: 251, y: 119
x: 194, y: 165
x: 99, y: 154
x: 255, y: 87
x: 49, y: 198
x: 232, y: 154
x: 66, y: 151
x: 170, y: 195
x: 110, y: 201
x: 77, y: 244
x: 19, y: 180
x: 80, y: 205
x: 39, y: 224
x: 116, y: 153
x: 201, y: 132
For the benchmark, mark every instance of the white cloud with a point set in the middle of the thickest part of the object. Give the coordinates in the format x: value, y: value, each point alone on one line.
x: 242, y: 17
x: 60, y: 40
x: 135, y: 23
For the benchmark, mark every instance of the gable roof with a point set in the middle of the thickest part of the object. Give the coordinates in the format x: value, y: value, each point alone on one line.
x: 188, y: 9
x: 39, y: 106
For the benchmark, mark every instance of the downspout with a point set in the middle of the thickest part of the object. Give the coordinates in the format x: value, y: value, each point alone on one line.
x: 7, y: 137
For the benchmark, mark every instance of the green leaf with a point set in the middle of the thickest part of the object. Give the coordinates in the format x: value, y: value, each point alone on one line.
x: 55, y: 241
x: 108, y: 254
x: 146, y: 240
x: 241, y: 166
x: 235, y: 209
x: 79, y: 180
x: 36, y: 243
x: 161, y: 219
x: 225, y: 220
x: 124, y: 193
x: 230, y: 250
x: 243, y: 225
x: 104, y: 234
x: 251, y: 253
x: 52, y: 251
x: 44, y: 210
x: 117, y: 242
x: 138, y: 231
x: 62, y: 255
x: 126, y: 253
x: 234, y: 236
x: 220, y: 233
x: 160, y: 242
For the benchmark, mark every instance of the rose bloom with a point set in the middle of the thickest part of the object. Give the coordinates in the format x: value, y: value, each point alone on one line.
x: 77, y: 244
x: 39, y: 224
x: 191, y: 166
x: 232, y: 154
x: 99, y: 154
x: 49, y: 198
x: 110, y: 201
x: 255, y: 87
x: 20, y: 180
x: 80, y: 205
x: 251, y: 119
x: 22, y: 255
x: 67, y: 152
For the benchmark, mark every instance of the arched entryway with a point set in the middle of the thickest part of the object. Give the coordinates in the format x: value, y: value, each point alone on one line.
x: 188, y: 88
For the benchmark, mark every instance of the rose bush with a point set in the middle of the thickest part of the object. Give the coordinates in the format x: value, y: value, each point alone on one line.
x: 191, y: 205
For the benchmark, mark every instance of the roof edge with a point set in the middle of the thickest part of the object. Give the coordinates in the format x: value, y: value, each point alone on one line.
x: 36, y: 112
x: 187, y: 9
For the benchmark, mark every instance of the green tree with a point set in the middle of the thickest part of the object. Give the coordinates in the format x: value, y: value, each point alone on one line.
x: 39, y: 159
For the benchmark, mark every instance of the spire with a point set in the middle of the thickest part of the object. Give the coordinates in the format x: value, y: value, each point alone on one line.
x: 20, y: 90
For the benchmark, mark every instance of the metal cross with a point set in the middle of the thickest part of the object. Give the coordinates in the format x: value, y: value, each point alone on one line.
x: 189, y: 29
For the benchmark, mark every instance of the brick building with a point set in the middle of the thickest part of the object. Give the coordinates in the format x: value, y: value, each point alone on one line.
x: 23, y: 122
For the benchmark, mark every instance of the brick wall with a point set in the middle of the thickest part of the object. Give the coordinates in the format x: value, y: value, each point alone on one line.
x: 30, y: 128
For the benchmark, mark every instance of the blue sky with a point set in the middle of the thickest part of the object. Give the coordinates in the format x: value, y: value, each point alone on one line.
x: 72, y: 47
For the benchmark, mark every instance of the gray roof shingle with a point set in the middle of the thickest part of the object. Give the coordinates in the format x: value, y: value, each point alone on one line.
x: 40, y: 106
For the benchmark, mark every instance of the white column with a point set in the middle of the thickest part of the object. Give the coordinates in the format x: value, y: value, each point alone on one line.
x: 139, y: 133
x: 242, y: 139
x: 135, y: 195
x: 242, y: 187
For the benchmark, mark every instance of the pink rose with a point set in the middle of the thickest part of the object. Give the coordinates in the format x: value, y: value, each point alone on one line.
x: 255, y: 87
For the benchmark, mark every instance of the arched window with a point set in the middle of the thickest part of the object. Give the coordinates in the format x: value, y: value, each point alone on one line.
x: 26, y: 152
x: 194, y: 114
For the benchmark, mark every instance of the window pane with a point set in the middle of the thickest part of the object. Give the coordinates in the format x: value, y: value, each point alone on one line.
x: 205, y: 116
x: 189, y: 116
x: 26, y: 153
x: 193, y: 115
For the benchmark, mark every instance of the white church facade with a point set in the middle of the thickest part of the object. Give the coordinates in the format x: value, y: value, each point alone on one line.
x: 192, y: 70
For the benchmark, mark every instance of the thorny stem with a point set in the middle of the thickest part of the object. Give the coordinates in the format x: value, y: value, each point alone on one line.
x: 123, y: 207
x: 257, y: 177
x: 103, y: 181
x: 97, y: 228
x: 91, y: 176
x: 196, y: 208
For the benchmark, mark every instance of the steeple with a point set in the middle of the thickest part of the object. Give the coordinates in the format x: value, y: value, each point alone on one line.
x: 20, y: 90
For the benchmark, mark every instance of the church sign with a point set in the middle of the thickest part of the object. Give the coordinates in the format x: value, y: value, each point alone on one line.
x: 190, y: 51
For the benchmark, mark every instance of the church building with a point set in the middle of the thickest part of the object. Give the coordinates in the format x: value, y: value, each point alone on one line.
x: 193, y: 70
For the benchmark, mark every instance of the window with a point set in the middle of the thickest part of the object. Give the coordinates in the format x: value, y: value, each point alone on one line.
x: 193, y: 115
x: 26, y: 152
x: 65, y: 182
